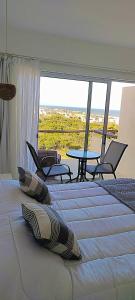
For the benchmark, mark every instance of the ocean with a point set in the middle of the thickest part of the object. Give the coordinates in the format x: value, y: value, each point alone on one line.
x: 94, y: 111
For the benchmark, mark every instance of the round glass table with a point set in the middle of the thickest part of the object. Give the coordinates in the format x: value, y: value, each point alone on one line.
x: 82, y: 156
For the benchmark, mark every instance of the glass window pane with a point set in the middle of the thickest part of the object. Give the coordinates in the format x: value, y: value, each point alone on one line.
x: 97, y: 116
x: 62, y: 115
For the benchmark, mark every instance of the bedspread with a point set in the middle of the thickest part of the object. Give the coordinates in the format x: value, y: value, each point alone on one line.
x: 105, y: 230
x: 122, y: 189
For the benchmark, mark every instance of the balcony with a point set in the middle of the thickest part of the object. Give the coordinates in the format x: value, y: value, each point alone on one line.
x: 100, y: 105
x: 95, y: 137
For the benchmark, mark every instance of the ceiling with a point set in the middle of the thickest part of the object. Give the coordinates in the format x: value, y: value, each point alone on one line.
x: 102, y: 21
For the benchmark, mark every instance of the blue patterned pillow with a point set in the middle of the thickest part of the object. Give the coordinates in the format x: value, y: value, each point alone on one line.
x: 33, y: 186
x: 50, y: 230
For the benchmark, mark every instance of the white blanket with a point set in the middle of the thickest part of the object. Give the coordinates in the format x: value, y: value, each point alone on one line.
x: 105, y: 230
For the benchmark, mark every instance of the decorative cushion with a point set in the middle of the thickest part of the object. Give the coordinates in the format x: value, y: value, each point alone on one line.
x: 33, y: 186
x: 50, y: 230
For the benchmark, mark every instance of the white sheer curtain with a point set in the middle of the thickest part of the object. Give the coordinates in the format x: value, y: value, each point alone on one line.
x: 5, y: 70
x: 24, y: 113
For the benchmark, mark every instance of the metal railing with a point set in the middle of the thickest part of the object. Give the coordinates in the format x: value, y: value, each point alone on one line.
x: 110, y: 133
x: 61, y: 131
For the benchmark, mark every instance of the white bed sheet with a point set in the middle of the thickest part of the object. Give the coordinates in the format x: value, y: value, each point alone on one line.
x: 27, y: 271
x: 105, y: 230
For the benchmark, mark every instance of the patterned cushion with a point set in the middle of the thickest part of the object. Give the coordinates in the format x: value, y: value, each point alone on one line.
x: 33, y: 186
x: 50, y: 230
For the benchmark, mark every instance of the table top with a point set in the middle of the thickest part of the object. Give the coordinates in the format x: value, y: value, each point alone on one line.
x: 83, y: 154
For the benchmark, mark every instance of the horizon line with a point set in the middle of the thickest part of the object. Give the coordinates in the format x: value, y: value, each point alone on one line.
x: 75, y: 107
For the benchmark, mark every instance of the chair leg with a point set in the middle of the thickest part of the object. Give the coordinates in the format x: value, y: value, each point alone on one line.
x: 114, y: 175
x: 93, y: 177
x: 61, y: 178
x: 102, y: 176
x: 70, y: 177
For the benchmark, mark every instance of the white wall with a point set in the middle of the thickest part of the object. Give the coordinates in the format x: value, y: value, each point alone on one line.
x: 71, y: 56
x: 75, y: 56
x: 127, y: 132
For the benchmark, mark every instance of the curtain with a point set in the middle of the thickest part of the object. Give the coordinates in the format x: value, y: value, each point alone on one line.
x: 5, y: 76
x: 24, y: 113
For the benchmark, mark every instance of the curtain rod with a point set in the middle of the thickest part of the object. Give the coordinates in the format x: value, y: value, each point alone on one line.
x: 69, y: 63
x: 19, y: 56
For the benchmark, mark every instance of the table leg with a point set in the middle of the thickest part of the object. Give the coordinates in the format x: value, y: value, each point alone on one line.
x: 83, y: 170
x: 85, y: 163
x: 81, y: 174
x: 78, y: 174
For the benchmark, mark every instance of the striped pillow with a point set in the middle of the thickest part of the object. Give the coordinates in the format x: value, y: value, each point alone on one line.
x: 50, y: 230
x: 33, y: 186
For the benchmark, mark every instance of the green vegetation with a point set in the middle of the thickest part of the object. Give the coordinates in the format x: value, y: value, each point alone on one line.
x: 64, y: 141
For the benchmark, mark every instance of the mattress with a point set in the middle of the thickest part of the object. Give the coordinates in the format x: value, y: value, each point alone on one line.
x: 105, y: 230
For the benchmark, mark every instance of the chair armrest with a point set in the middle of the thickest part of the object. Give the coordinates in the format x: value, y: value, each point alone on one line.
x: 102, y: 164
x: 56, y: 165
x: 67, y: 166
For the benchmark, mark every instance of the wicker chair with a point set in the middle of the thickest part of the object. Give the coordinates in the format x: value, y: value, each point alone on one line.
x: 109, y: 162
x: 43, y: 170
x: 49, y: 153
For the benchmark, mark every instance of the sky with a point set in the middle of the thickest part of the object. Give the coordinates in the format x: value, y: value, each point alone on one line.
x: 72, y: 93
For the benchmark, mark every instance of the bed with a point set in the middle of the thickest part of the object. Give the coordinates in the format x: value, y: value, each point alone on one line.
x: 105, y: 229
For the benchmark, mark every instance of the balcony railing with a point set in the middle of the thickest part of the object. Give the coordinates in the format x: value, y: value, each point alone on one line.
x: 110, y: 133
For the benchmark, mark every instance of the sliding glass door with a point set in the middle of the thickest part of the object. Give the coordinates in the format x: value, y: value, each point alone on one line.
x: 73, y: 114
x: 79, y: 113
